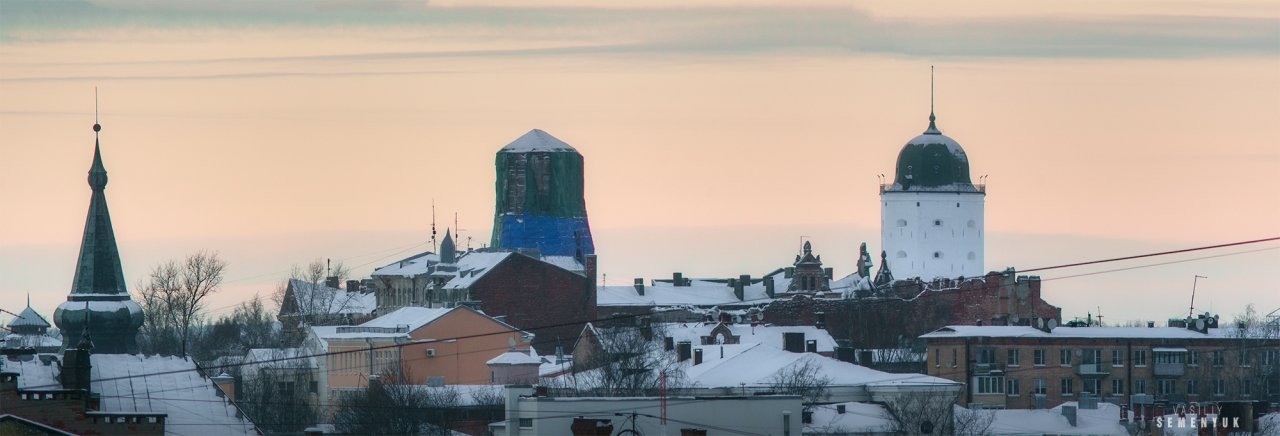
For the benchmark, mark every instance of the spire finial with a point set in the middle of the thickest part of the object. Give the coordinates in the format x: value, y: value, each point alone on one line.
x: 933, y: 127
x: 96, y: 127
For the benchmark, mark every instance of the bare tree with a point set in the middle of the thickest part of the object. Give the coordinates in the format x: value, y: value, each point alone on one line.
x: 201, y: 276
x: 630, y: 360
x: 278, y: 400
x: 388, y: 406
x: 806, y: 380
x: 249, y: 326
x: 925, y: 410
x: 159, y: 297
x: 320, y: 269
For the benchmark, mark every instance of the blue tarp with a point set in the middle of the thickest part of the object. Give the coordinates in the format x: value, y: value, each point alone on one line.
x: 552, y: 236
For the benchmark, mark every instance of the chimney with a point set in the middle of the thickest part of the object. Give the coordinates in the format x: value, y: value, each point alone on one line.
x: 677, y: 279
x: 822, y: 320
x: 226, y: 386
x: 811, y: 346
x: 697, y: 356
x: 840, y: 409
x: 639, y: 286
x: 76, y: 367
x: 788, y: 272
x: 332, y: 282
x: 829, y: 272
x: 683, y: 351
x: 738, y: 290
x: 1151, y: 324
x: 353, y: 286
x: 589, y: 268
x: 768, y: 286
x: 866, y: 357
x: 668, y: 343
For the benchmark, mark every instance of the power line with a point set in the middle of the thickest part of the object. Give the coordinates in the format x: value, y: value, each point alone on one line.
x: 1163, y: 253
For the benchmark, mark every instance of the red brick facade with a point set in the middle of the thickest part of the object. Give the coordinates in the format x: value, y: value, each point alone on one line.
x: 532, y: 295
x: 70, y: 411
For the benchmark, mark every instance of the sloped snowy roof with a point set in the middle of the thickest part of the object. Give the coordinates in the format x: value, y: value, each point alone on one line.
x: 537, y: 140
x: 957, y: 331
x: 279, y: 358
x: 769, y: 335
x: 1102, y: 420
x: 471, y: 266
x: 414, y: 317
x: 31, y: 341
x: 515, y: 358
x: 148, y: 384
x: 314, y: 298
x: 28, y: 318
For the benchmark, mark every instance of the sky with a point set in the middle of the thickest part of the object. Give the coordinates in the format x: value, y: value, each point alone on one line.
x: 717, y: 135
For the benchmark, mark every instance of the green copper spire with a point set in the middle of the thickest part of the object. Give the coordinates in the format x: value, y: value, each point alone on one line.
x: 98, y: 268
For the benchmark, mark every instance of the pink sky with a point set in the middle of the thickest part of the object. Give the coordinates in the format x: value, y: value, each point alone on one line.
x: 715, y: 137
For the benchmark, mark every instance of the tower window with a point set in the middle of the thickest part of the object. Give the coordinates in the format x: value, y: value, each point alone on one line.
x: 937, y: 223
x: 901, y: 254
x: 937, y: 255
x: 902, y: 223
x: 917, y: 204
x: 957, y: 204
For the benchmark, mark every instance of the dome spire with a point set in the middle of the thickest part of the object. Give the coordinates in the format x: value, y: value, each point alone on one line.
x: 933, y: 127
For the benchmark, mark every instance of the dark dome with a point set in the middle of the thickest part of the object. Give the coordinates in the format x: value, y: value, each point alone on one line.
x: 932, y: 160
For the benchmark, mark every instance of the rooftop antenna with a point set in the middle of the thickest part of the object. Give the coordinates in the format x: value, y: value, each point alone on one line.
x: 1192, y: 313
x: 433, y: 225
x: 455, y: 226
x: 1100, y: 316
x: 933, y: 128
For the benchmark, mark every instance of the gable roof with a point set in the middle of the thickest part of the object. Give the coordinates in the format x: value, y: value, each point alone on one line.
x: 471, y: 266
x: 29, y: 318
x: 313, y: 299
x: 769, y: 335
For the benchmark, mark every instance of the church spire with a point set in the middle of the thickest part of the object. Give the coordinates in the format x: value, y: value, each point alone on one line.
x: 933, y: 127
x: 98, y: 268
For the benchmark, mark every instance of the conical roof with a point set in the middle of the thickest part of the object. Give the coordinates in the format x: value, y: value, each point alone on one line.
x: 537, y: 141
x: 98, y: 269
x: 28, y: 318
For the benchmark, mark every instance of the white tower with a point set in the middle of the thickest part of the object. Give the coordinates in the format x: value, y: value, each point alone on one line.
x: 931, y: 216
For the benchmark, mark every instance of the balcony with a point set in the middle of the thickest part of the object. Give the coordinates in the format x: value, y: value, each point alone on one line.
x: 988, y: 368
x: 1093, y: 370
x: 1169, y: 369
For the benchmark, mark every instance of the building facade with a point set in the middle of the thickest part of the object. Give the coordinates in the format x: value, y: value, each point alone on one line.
x: 1026, y: 367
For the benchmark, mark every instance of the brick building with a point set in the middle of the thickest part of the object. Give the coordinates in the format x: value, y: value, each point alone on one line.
x: 551, y: 296
x: 1027, y: 367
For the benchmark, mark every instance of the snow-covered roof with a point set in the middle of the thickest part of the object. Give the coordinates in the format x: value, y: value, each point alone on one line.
x: 28, y: 318
x: 313, y: 298
x: 279, y: 358
x: 332, y: 332
x: 769, y: 335
x: 568, y: 263
x: 15, y: 341
x: 515, y: 358
x: 958, y: 331
x: 148, y: 384
x: 466, y: 395
x: 539, y: 141
x: 470, y: 266
x: 756, y: 365
x: 858, y: 418
x: 1103, y: 420
x: 413, y: 317
x: 698, y: 293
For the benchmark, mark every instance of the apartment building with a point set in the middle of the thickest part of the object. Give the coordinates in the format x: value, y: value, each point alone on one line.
x: 1019, y: 367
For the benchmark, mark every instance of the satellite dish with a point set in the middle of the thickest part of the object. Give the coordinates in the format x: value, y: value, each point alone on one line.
x: 1053, y: 324
x: 1200, y: 324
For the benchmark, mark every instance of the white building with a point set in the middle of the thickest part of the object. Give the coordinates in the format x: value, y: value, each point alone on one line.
x: 931, y: 216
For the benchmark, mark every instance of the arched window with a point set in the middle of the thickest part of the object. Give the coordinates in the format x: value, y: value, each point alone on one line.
x: 973, y: 224
x: 937, y: 223
x: 973, y: 256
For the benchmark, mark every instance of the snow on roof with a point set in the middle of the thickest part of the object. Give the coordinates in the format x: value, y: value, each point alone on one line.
x: 757, y: 365
x: 279, y: 358
x: 467, y: 395
x: 958, y: 331
x: 698, y: 293
x: 129, y: 383
x: 1102, y: 420
x: 515, y: 358
x: 28, y: 318
x: 315, y: 298
x: 414, y: 317
x: 331, y: 332
x: 471, y: 266
x: 409, y: 266
x: 568, y: 263
x: 770, y: 335
x: 15, y: 341
x: 858, y: 418
x: 537, y: 140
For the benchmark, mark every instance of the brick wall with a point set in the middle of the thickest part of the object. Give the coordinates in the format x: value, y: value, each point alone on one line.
x: 532, y: 294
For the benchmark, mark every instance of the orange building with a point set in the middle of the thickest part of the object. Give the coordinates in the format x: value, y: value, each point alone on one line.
x: 430, y: 346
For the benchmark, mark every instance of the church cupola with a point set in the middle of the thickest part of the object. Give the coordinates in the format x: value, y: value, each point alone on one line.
x: 98, y: 287
x: 808, y: 274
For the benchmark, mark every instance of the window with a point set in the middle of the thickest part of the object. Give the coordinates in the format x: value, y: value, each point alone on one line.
x: 1139, y: 357
x: 1166, y: 387
x: 1169, y: 357
x: 1193, y: 358
x: 1064, y: 357
x: 1271, y: 357
x: 1013, y: 357
x: 937, y: 255
x: 986, y: 356
x: 972, y: 255
x: 1244, y: 359
x: 526, y: 422
x: 989, y: 385
x: 1193, y: 387
x: 902, y: 223
x: 1219, y: 358
x: 1139, y: 386
x: 1220, y: 387
x: 1117, y: 386
x: 1040, y: 387
x: 937, y: 357
x: 953, y: 358
x: 901, y: 254
x: 972, y: 224
x: 937, y: 223
x: 1011, y: 387
x: 1246, y: 388
x: 1068, y: 386
x: 1039, y: 357
x: 1092, y: 386
x: 1117, y: 357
